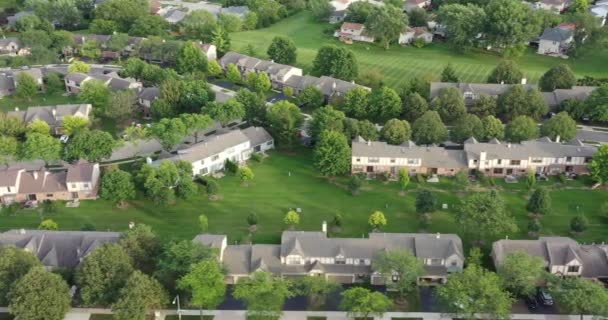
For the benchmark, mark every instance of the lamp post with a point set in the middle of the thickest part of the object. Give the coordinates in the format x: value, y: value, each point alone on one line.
x: 179, y: 309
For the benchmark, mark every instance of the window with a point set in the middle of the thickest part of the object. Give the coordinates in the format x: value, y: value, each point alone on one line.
x: 497, y: 170
x: 515, y: 162
x: 203, y: 161
x: 499, y: 161
x: 568, y: 159
x: 203, y: 171
x: 393, y: 160
x: 373, y: 160
x: 474, y: 161
x: 49, y: 195
x: 395, y: 277
x: 269, y: 143
x: 434, y: 262
x: 8, y: 189
x: 73, y: 186
x: 358, y: 160
x: 588, y: 159
x: 86, y: 185
x: 573, y: 269
x: 340, y: 260
x: 537, y: 160
x: 215, y: 157
x: 294, y: 260
x: 231, y: 150
x: 412, y: 161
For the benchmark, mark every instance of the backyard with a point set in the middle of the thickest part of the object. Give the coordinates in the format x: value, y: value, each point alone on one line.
x: 399, y: 64
x: 8, y: 103
x: 288, y: 181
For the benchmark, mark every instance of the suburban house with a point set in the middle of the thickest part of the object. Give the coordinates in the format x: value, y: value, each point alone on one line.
x: 338, y: 8
x: 600, y: 11
x: 7, y: 84
x: 13, y: 19
x: 145, y: 98
x: 556, y: 6
x: 21, y: 183
x: 52, y: 115
x: 278, y: 73
x: 563, y: 256
x: 12, y: 47
x: 472, y: 91
x: 344, y: 260
x: 557, y: 40
x: 239, y: 11
x: 35, y: 73
x: 9, y: 79
x: 74, y: 81
x: 209, y: 50
x: 329, y: 86
x: 209, y: 155
x: 350, y: 32
x: 409, y: 35
x: 172, y: 15
x: 58, y: 249
x: 493, y: 158
x: 409, y: 5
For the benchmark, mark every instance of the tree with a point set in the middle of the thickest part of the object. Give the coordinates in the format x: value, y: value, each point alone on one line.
x: 214, y: 69
x: 102, y: 26
x: 321, y: 9
x: 560, y: 125
x: 356, y: 103
x: 40, y: 285
x: 335, y: 61
x: 506, y: 72
x: 316, y: 289
x: 205, y: 282
x: 404, y: 178
x: 221, y: 40
x: 414, y: 106
x: 233, y: 74
x: 449, y: 74
x: 463, y: 23
x: 581, y: 296
x: 169, y: 132
x: 396, y: 131
x: 124, y: 13
x: 483, y: 215
x: 176, y: 259
x: 48, y: 224
x: 492, y: 128
x: 540, y: 202
x: 429, y: 129
x: 599, y: 165
x: 40, y: 146
x: 14, y: 264
x: 534, y: 227
x: 486, y: 287
x: 140, y: 295
x: 282, y: 50
x: 368, y: 130
x: 466, y: 127
x: 259, y: 82
x: 450, y: 104
x: 190, y: 59
x: 402, y: 265
x: 53, y: 83
x: 384, y: 104
x: 291, y: 219
x: 311, y: 97
x: 245, y: 174
x: 226, y: 112
x: 97, y: 94
x: 558, y: 77
x: 484, y: 106
x: 426, y: 201
x: 92, y: 145
x: 597, y: 104
x: 203, y: 222
x: 8, y: 148
x: 263, y: 294
x: 385, y: 23
x: 250, y: 21
x: 510, y: 23
x: 332, y: 155
x: 90, y: 49
x: 255, y: 105
x: 579, y: 223
x: 26, y: 86
x: 377, y: 220
x: 198, y: 24
x: 520, y: 129
x: 122, y: 105
x: 418, y: 18
x: 581, y: 6
x: 520, y: 272
x: 102, y: 274
x: 74, y: 124
x: 359, y: 12
x: 230, y: 22
x: 326, y: 118
x: 39, y: 126
x: 284, y: 120
x: 360, y: 303
x: 117, y: 186
x: 149, y: 25
x: 11, y: 126
x: 143, y: 246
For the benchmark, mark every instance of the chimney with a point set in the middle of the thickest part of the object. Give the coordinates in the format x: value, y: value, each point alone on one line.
x: 324, y: 227
x: 438, y: 235
x: 369, y: 143
x: 524, y: 81
x: 558, y: 138
x: 35, y: 175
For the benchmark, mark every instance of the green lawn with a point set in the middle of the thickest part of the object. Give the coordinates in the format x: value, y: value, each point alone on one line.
x: 189, y: 317
x: 275, y: 191
x: 8, y: 103
x: 399, y: 64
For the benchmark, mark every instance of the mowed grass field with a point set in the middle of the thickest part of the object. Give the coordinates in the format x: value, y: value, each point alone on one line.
x: 399, y: 64
x: 287, y: 181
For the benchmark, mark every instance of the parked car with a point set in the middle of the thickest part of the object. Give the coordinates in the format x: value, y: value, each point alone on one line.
x: 531, y: 302
x: 545, y: 297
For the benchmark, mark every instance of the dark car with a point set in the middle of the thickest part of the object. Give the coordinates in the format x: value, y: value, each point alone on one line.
x: 531, y: 302
x: 544, y: 297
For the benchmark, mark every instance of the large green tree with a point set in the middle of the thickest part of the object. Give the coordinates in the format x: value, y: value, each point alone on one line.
x: 311, y: 97
x: 463, y: 24
x: 385, y: 23
x: 205, y: 282
x: 396, y: 131
x: 507, y: 72
x: 92, y: 145
x: 450, y: 104
x: 599, y: 165
x: 14, y: 264
x: 520, y: 129
x: 47, y: 291
x: 560, y: 125
x: 483, y: 216
x: 326, y: 118
x: 521, y: 272
x: 140, y: 295
x: 400, y: 269
x: 97, y: 94
x: 117, y: 186
x: 429, y: 129
x: 581, y: 296
x: 177, y: 257
x: 518, y: 101
x: 356, y: 103
x: 226, y: 112
x: 332, y: 154
x: 255, y: 105
x: 123, y: 12
x: 190, y: 59
x: 414, y: 106
x: 467, y: 126
x: 360, y: 303
x: 40, y: 146
x: 263, y: 294
x: 26, y: 87
x: 597, y: 104
x: 143, y: 246
x: 335, y: 61
x: 558, y: 77
x: 282, y: 50
x: 510, y: 23
x: 384, y: 104
x: 492, y: 128
x: 284, y: 120
x: 122, y: 105
x: 198, y: 25
x: 316, y: 289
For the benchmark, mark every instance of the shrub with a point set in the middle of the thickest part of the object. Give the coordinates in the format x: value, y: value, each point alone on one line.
x: 88, y: 227
x: 481, y: 177
x: 384, y: 176
x: 419, y: 43
x: 256, y: 157
x: 426, y: 201
x: 337, y: 220
x: 579, y: 223
x: 462, y: 178
x: 534, y: 226
x: 231, y: 166
x: 212, y: 187
x: 252, y: 219
x: 354, y: 184
x: 562, y: 178
x: 420, y: 178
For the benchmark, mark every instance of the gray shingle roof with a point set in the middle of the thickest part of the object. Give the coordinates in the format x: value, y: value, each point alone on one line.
x: 257, y: 135
x: 82, y: 171
x: 556, y: 34
x: 526, y: 149
x: 490, y: 89
x: 211, y: 146
x: 46, y: 113
x: 63, y: 249
x: 149, y: 94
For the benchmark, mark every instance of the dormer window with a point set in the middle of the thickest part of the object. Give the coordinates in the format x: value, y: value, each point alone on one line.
x: 573, y: 269
x: 340, y: 260
x: 294, y: 260
x: 469, y: 95
x: 434, y: 262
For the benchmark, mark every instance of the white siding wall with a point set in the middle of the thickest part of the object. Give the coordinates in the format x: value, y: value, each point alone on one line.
x: 382, y: 161
x: 216, y: 162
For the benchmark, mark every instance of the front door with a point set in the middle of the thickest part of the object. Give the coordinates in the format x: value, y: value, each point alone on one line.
x: 569, y: 169
x: 369, y: 169
x: 74, y: 195
x: 31, y: 197
x: 433, y: 170
x: 509, y: 171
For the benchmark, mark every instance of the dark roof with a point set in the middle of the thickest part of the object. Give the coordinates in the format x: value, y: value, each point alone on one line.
x: 557, y: 34
x: 82, y: 171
